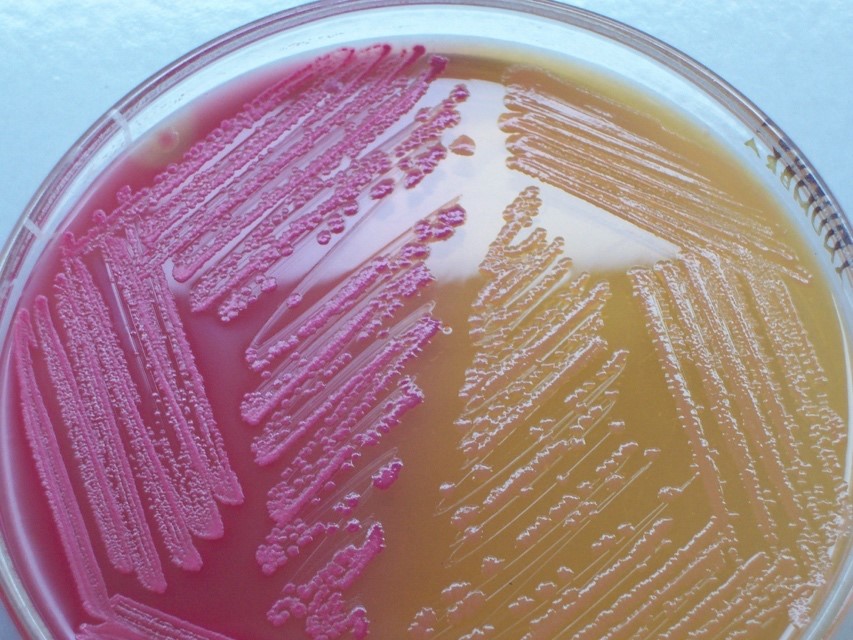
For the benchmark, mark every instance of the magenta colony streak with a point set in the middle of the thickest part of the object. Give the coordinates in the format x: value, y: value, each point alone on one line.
x: 281, y: 178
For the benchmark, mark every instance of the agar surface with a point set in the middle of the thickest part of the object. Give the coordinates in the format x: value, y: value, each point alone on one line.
x: 612, y: 453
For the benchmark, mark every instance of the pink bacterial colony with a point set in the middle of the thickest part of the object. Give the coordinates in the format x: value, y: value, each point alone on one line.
x: 126, y: 441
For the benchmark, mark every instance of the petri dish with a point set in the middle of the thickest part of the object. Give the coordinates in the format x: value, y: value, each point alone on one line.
x: 152, y: 123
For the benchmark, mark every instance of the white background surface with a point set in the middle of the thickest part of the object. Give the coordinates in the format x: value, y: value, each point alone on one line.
x: 63, y: 63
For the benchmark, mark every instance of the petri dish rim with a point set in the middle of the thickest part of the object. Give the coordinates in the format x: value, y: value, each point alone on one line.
x: 110, y: 135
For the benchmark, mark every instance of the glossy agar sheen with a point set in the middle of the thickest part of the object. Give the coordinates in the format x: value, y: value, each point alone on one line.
x: 406, y: 344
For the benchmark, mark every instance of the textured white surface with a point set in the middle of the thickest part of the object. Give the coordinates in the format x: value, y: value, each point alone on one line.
x: 63, y: 63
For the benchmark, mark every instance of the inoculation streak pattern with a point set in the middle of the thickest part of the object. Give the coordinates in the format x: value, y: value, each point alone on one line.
x: 590, y: 148
x: 737, y: 541
x: 648, y: 453
x: 337, y: 389
x: 742, y: 373
x: 546, y: 462
x: 132, y: 457
x: 734, y: 541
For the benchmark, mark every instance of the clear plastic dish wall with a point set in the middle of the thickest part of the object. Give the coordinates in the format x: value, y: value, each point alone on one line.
x: 555, y: 30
